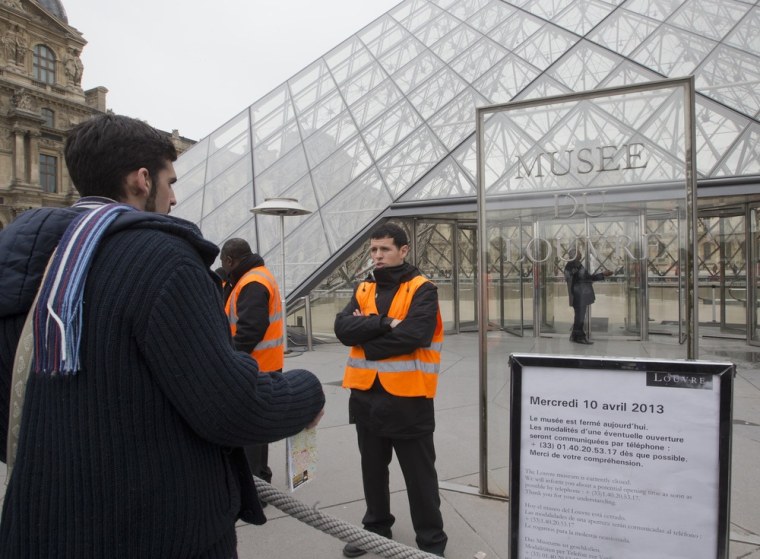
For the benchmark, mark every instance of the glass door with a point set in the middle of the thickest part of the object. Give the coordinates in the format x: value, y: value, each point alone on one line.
x: 510, y: 275
x: 754, y: 275
x: 466, y: 258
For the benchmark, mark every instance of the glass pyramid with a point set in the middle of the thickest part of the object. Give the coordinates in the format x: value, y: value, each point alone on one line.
x: 388, y: 116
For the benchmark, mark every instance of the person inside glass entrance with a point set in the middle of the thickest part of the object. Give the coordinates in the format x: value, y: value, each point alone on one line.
x: 580, y: 289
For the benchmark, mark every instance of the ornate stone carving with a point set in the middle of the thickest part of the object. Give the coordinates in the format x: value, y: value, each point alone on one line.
x: 22, y: 100
x: 15, y: 44
x: 73, y: 67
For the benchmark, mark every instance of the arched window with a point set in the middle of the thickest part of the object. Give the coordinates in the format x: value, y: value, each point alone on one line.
x: 44, y: 64
x: 49, y: 117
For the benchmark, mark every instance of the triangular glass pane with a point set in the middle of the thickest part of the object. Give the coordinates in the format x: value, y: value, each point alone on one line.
x: 673, y: 52
x: 401, y: 55
x: 354, y: 208
x: 446, y: 180
x: 623, y: 31
x: 192, y: 157
x: 229, y: 132
x: 628, y: 73
x: 271, y: 113
x: 490, y: 16
x: 745, y: 35
x: 306, y: 249
x: 368, y: 108
x: 417, y: 71
x: 311, y: 85
x: 455, y: 42
x: 267, y: 152
x: 546, y: 9
x: 633, y: 110
x: 438, y: 28
x: 343, y: 166
x: 383, y: 35
x: 280, y: 176
x: 320, y: 145
x: 189, y: 207
x: 226, y: 185
x: 666, y: 126
x: 544, y: 86
x: 717, y: 129
x: 466, y: 8
x: 584, y: 67
x: 227, y: 217
x: 410, y: 160
x: 731, y: 77
x: 415, y: 13
x: 393, y: 126
x: 466, y: 157
x: 321, y: 113
x: 504, y: 80
x: 191, y: 182
x: 478, y: 59
x: 546, y: 46
x: 583, y: 15
x: 347, y: 59
x: 456, y: 120
x: 362, y: 83
x: 515, y: 30
x: 228, y: 155
x: 436, y: 92
x: 656, y: 9
x: 711, y: 18
x: 744, y: 157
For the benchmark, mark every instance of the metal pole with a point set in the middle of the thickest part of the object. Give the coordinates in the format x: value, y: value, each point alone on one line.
x: 282, y: 287
x: 307, y: 320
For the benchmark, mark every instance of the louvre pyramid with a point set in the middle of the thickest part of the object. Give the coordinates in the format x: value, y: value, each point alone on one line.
x: 388, y: 116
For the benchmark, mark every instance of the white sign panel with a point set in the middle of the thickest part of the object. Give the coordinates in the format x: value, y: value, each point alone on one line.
x: 617, y: 463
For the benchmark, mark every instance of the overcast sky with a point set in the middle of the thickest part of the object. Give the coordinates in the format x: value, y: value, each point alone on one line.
x: 193, y: 65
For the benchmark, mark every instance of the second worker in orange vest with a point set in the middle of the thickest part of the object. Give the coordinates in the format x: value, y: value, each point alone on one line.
x: 254, y: 309
x: 394, y: 328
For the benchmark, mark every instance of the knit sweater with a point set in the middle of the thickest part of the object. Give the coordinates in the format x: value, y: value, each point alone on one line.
x: 133, y: 455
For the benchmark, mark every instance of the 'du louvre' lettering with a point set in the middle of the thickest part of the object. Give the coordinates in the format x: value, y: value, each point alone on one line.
x: 583, y: 161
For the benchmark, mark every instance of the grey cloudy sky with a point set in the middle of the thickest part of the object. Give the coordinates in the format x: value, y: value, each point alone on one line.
x: 193, y: 65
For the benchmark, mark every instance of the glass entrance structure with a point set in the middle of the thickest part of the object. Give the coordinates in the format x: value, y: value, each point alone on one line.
x: 383, y: 127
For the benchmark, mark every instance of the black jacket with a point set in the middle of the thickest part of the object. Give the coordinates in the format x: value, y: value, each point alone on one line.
x: 252, y: 306
x: 376, y: 409
x: 580, y: 284
x: 134, y: 456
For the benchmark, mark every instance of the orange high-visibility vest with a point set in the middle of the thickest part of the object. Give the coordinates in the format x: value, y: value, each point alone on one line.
x: 269, y: 351
x: 412, y: 374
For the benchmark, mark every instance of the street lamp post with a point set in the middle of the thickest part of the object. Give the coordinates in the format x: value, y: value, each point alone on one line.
x: 281, y: 207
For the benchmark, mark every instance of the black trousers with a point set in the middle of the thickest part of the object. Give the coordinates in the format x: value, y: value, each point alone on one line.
x: 258, y: 459
x: 579, y: 321
x: 417, y: 460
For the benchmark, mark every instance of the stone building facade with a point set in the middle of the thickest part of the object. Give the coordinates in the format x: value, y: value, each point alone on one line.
x: 41, y: 97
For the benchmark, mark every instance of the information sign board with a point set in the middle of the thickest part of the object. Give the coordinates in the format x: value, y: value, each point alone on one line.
x: 614, y: 458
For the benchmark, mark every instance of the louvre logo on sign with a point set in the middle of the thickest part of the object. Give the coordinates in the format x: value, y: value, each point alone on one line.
x: 583, y: 161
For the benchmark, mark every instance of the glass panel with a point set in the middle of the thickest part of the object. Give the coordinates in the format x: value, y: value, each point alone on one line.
x: 271, y: 113
x: 745, y: 36
x: 754, y: 213
x: 731, y: 77
x: 229, y: 132
x: 466, y: 278
x: 546, y: 46
x: 320, y: 145
x: 711, y: 18
x: 343, y: 166
x: 445, y: 181
x: 266, y: 153
x: 391, y: 35
x: 225, y: 157
x: 391, y: 128
x: 478, y: 59
x: 673, y: 52
x: 363, y: 82
x: 311, y: 85
x: 227, y: 217
x: 455, y: 42
x: 584, y: 67
x: 434, y: 248
x: 546, y: 9
x: 623, y: 31
x: 190, y: 183
x: 375, y: 103
x: 437, y: 28
x: 347, y: 59
x: 401, y: 55
x: 717, y: 129
x: 744, y: 157
x: 226, y: 184
x: 189, y: 208
x: 192, y: 157
x: 277, y: 178
x: 419, y: 70
x: 502, y: 82
x: 490, y: 16
x: 466, y: 8
x: 456, y: 120
x: 321, y: 113
x: 436, y: 92
x: 420, y: 13
x: 354, y: 208
x: 582, y: 16
x: 656, y: 9
x: 410, y: 160
x: 515, y: 30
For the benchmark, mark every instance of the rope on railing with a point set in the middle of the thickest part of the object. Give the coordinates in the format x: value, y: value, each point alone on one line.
x: 336, y: 527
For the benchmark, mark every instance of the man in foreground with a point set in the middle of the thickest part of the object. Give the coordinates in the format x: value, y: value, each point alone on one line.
x: 394, y: 326
x: 136, y: 399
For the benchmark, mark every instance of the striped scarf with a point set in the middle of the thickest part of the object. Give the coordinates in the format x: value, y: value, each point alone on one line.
x: 58, y: 316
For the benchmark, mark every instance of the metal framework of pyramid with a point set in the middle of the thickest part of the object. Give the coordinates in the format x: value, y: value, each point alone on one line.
x: 389, y: 114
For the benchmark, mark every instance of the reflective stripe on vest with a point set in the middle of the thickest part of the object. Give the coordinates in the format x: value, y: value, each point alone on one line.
x: 413, y: 374
x: 269, y: 351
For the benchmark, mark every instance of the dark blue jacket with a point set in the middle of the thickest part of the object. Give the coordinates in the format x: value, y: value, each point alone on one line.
x: 136, y: 455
